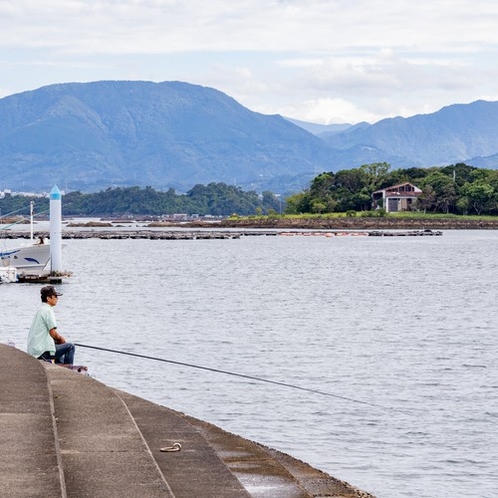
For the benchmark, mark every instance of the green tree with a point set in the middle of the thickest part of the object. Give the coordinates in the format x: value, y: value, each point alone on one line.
x: 443, y: 189
x: 427, y: 199
x: 317, y: 206
x: 348, y: 190
x: 296, y: 203
x: 374, y: 175
x: 460, y: 173
x: 271, y: 201
x: 463, y: 204
x: 479, y: 195
x: 411, y: 175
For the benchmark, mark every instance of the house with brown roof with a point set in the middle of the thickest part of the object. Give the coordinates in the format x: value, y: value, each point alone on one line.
x: 400, y: 197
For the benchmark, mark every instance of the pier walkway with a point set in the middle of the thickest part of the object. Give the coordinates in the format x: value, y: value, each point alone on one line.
x: 64, y: 434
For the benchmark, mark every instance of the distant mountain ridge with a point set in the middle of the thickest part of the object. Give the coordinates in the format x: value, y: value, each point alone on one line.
x: 457, y: 133
x: 90, y: 136
x: 320, y: 129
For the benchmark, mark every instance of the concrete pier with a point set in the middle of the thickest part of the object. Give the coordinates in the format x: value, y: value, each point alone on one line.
x: 63, y: 434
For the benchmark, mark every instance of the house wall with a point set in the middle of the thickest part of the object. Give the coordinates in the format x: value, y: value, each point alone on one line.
x: 395, y: 204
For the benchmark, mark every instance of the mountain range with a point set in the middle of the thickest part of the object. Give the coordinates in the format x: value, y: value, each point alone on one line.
x: 91, y: 136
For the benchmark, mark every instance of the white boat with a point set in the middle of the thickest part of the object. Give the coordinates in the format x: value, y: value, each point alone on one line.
x: 29, y: 257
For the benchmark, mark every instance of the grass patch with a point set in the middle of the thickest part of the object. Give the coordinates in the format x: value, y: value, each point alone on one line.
x: 367, y: 214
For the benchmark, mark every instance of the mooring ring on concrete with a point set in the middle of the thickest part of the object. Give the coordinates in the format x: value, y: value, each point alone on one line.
x: 175, y: 447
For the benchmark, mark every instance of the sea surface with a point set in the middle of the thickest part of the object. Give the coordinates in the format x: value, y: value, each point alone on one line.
x: 399, y: 335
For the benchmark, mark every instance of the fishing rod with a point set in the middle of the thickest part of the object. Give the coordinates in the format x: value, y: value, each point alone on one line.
x: 244, y: 376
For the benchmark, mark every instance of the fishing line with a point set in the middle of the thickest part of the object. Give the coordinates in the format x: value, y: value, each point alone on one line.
x: 244, y: 376
x: 22, y: 220
x: 12, y: 212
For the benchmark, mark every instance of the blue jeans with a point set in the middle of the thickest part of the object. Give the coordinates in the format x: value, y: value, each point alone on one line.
x: 64, y: 353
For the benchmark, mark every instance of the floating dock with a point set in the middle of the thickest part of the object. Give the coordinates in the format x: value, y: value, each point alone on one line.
x: 44, y: 277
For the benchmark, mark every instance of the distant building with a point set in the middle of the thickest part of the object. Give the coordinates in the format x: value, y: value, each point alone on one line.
x: 400, y: 197
x: 8, y: 191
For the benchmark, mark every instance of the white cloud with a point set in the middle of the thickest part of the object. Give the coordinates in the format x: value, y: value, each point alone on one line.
x: 170, y: 26
x: 323, y: 58
x: 328, y: 111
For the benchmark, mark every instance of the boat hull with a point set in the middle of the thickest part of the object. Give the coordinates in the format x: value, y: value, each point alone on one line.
x: 31, y: 257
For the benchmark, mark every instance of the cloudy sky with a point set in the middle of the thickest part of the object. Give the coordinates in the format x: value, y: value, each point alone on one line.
x: 325, y: 61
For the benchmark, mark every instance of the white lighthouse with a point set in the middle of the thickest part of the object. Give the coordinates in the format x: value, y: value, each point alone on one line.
x: 55, y: 230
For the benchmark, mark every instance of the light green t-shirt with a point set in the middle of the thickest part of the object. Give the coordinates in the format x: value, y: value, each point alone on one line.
x: 39, y: 339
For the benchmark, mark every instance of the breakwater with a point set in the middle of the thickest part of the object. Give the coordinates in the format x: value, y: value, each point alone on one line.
x: 65, y: 434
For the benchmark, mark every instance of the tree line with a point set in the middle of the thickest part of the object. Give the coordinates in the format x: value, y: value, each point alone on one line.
x: 455, y: 189
x: 216, y: 199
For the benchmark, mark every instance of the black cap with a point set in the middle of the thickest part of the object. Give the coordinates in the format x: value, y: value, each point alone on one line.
x: 48, y: 291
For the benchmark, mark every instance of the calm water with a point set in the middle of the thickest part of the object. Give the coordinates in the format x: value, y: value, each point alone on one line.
x: 406, y: 324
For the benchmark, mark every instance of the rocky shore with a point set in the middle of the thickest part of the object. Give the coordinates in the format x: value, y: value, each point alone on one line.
x: 360, y: 223
x: 273, y: 225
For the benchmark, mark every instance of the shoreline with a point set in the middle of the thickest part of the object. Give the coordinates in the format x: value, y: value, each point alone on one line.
x: 225, y: 228
x: 352, y: 223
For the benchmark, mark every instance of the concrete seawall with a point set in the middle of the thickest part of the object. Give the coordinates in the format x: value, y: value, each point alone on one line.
x: 63, y: 434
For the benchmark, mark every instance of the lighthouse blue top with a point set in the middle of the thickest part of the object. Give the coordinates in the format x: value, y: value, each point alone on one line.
x: 55, y: 194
